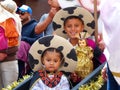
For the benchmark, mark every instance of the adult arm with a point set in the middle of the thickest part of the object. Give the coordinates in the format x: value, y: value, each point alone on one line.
x: 41, y: 26
x: 32, y: 39
x: 2, y: 56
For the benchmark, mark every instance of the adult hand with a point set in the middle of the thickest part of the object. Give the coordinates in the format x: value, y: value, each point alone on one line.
x: 104, y: 73
x: 52, y: 12
x: 101, y: 45
x: 2, y: 56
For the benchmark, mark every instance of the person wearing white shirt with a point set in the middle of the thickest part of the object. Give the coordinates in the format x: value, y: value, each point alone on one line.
x: 110, y: 13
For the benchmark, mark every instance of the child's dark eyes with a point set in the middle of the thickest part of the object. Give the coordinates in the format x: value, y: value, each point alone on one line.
x: 53, y: 61
x: 76, y: 25
x: 48, y: 60
x: 68, y: 26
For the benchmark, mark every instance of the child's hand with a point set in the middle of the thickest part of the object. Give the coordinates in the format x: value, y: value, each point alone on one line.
x: 74, y: 77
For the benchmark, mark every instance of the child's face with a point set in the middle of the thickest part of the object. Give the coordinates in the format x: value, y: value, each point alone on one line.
x: 51, y: 61
x: 73, y: 27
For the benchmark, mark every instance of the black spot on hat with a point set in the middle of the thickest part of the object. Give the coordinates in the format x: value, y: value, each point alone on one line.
x: 72, y: 55
x: 32, y: 61
x: 80, y: 16
x: 91, y: 24
x: 46, y: 41
x: 60, y: 48
x: 63, y: 19
x: 56, y: 26
x: 70, y: 10
x: 40, y: 51
x: 64, y: 31
x: 65, y: 64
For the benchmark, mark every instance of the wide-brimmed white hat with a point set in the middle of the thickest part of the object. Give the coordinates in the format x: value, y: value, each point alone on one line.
x: 57, y: 42
x: 84, y: 14
x: 9, y: 5
x: 8, y: 10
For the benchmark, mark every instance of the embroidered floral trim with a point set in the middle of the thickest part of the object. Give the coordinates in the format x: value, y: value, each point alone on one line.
x: 48, y: 81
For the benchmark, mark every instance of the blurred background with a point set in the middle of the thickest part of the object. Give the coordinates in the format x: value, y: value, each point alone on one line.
x: 39, y: 7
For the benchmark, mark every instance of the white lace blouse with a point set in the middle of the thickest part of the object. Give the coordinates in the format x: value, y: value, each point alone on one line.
x: 62, y: 85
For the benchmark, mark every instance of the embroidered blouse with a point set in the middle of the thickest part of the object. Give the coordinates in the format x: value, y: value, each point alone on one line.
x: 59, y: 82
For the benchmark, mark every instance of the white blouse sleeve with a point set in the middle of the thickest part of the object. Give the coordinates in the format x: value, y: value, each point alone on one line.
x: 64, y: 83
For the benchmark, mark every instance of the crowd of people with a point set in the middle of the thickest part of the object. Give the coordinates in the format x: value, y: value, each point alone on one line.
x: 10, y: 32
x: 58, y: 50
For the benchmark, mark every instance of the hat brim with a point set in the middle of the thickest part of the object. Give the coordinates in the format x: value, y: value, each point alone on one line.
x: 55, y: 41
x: 61, y: 15
x: 20, y: 9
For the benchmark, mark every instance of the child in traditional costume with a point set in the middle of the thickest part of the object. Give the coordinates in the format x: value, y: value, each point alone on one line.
x: 77, y: 25
x: 50, y: 57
